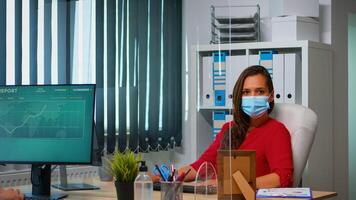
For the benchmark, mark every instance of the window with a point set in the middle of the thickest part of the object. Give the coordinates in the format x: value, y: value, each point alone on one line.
x: 130, y: 48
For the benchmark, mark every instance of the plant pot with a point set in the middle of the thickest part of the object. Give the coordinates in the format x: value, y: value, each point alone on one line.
x: 124, y: 191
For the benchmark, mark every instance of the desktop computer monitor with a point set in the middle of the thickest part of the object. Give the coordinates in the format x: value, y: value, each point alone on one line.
x: 44, y: 125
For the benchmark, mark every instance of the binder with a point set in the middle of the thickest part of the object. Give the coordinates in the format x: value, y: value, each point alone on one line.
x: 291, y: 63
x: 219, y: 78
x: 207, y: 97
x: 278, y: 77
x: 235, y: 65
x: 219, y: 119
x: 266, y: 60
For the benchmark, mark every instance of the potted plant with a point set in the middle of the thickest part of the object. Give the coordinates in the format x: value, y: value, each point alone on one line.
x: 124, y: 167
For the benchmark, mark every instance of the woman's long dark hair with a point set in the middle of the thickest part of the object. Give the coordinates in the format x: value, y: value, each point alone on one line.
x: 241, y: 120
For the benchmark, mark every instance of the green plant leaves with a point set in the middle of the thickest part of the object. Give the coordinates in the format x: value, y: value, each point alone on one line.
x: 124, y: 166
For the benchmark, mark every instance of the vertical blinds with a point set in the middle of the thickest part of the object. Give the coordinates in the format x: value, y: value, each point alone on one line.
x: 131, y: 49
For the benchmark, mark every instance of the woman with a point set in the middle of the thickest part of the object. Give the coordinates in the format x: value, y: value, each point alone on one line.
x: 253, y: 129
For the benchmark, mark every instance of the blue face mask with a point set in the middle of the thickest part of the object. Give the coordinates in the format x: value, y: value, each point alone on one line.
x: 255, y: 106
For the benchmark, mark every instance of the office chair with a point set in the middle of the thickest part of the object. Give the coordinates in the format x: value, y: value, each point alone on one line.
x: 302, y: 124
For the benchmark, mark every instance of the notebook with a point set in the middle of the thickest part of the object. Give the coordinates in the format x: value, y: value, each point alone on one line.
x: 303, y: 193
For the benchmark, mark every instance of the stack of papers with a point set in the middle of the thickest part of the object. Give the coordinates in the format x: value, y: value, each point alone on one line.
x: 285, y: 193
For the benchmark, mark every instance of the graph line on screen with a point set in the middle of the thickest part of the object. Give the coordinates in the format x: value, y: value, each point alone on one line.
x: 10, y: 132
x: 46, y: 119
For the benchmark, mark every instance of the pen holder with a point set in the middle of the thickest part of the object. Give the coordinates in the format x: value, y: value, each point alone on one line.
x: 171, y: 190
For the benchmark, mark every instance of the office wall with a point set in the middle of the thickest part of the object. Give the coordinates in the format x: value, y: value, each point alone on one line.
x: 325, y: 21
x: 339, y: 37
x: 352, y: 105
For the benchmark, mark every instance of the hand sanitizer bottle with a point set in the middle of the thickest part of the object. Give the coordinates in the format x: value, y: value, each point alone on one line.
x: 143, y: 187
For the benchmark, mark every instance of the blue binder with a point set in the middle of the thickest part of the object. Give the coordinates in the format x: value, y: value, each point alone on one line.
x: 219, y: 78
x: 266, y: 60
x: 219, y: 119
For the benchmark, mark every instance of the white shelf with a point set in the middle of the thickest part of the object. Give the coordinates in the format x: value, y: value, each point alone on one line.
x: 262, y: 45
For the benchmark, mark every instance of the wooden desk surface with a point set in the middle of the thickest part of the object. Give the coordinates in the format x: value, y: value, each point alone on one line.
x: 108, y: 192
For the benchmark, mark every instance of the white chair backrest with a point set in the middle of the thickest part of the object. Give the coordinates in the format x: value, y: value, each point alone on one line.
x: 301, y: 122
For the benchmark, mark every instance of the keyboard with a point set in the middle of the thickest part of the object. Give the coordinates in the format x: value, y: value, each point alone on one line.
x: 54, y: 196
x: 190, y: 188
x: 36, y: 198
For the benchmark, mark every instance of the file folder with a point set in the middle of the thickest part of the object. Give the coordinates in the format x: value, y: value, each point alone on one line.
x: 266, y: 60
x: 292, y: 73
x: 234, y: 65
x: 219, y: 78
x: 219, y: 119
x: 207, y: 98
x: 278, y: 77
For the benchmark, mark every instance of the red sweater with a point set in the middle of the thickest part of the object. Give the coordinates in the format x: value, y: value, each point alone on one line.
x: 272, y: 144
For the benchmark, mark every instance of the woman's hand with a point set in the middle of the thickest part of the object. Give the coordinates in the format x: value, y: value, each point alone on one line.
x: 155, y: 178
x: 189, y: 177
x: 268, y: 181
x: 11, y: 194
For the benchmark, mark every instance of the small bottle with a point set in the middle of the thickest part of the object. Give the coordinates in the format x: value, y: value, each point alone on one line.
x: 143, y: 184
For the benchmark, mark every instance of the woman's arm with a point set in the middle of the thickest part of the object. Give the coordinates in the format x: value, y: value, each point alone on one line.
x: 280, y: 159
x: 209, y: 155
x: 268, y: 181
x: 10, y: 194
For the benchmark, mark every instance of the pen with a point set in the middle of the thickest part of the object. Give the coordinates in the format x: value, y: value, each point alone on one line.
x: 160, y: 172
x: 172, y: 168
x: 173, y: 175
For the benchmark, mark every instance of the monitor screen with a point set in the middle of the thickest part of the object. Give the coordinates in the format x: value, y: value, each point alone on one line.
x: 50, y: 124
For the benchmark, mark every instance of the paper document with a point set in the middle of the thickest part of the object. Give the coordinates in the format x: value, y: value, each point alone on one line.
x: 285, y: 193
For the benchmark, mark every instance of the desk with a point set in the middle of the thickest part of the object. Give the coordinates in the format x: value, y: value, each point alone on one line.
x: 108, y: 192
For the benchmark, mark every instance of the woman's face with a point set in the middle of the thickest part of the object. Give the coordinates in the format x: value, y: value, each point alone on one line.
x: 256, y: 86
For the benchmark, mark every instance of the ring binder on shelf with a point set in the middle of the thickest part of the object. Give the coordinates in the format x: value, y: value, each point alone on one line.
x: 278, y: 78
x: 219, y: 78
x: 235, y: 64
x: 291, y: 76
x: 208, y: 95
x: 219, y: 119
x: 266, y: 60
